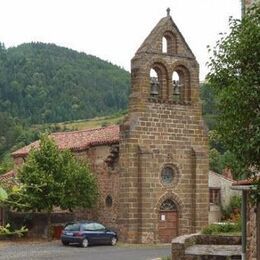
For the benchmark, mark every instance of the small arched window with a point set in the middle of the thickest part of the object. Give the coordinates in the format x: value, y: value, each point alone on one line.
x: 109, y: 201
x: 164, y: 45
x: 169, y: 43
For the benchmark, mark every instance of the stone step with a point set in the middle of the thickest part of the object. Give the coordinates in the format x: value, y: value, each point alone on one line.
x: 213, y: 252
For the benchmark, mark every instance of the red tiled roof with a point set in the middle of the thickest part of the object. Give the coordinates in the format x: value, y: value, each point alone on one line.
x: 243, y: 182
x: 78, y: 140
x: 7, y: 176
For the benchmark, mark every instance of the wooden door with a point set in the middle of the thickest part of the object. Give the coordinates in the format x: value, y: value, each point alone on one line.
x: 168, y: 225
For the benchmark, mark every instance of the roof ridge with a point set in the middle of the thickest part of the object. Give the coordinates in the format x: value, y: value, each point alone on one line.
x: 85, y: 130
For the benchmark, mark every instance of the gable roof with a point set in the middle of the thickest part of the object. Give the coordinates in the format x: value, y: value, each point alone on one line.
x: 221, y: 176
x: 77, y: 140
x: 165, y: 24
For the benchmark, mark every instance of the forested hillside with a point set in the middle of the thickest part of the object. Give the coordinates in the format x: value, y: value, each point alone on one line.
x: 44, y: 83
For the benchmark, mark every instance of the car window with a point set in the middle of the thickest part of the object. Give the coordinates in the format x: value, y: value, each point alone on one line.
x: 88, y: 227
x: 99, y: 226
x: 73, y: 227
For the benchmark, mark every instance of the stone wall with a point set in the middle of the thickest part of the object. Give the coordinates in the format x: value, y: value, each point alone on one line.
x: 253, y: 232
x: 224, y: 184
x: 105, y: 211
x: 181, y: 245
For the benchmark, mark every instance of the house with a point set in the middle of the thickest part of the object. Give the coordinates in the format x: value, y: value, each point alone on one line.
x: 220, y: 193
x: 152, y: 170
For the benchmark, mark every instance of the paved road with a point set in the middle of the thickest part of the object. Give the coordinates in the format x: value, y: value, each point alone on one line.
x: 54, y: 250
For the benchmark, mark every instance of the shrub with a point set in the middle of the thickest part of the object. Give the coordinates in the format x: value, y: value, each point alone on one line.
x: 8, y: 231
x: 228, y: 212
x: 225, y: 227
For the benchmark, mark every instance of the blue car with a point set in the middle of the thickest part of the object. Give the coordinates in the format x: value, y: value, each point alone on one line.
x: 87, y: 233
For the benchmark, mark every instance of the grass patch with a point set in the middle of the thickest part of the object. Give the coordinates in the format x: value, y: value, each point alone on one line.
x: 91, y: 123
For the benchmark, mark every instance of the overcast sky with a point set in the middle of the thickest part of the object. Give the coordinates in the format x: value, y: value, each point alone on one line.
x: 113, y: 29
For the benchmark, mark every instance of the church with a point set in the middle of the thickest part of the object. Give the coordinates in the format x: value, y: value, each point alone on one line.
x: 152, y: 170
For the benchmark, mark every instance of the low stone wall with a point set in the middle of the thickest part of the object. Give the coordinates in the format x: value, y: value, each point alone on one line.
x: 180, y: 244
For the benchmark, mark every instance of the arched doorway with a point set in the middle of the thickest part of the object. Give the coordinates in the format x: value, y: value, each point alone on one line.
x: 168, y: 221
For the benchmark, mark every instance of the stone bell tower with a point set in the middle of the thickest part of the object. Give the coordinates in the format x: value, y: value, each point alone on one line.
x: 163, y: 146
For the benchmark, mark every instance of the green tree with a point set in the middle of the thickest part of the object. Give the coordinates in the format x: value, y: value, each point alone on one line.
x: 53, y: 178
x: 235, y: 78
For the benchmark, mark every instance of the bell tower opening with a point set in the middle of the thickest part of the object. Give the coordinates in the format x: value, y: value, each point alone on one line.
x: 177, y: 87
x: 169, y: 43
x: 154, y: 85
x: 164, y: 45
x: 158, y: 82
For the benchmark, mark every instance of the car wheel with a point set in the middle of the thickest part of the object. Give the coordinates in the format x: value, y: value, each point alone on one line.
x: 113, y: 241
x: 65, y: 243
x: 84, y: 243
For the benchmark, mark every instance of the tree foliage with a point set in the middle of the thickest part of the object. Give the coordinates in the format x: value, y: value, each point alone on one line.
x: 52, y: 178
x: 209, y: 106
x: 235, y: 77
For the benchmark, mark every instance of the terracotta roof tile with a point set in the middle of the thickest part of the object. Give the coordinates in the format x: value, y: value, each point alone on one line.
x: 243, y: 182
x: 7, y: 176
x: 78, y: 140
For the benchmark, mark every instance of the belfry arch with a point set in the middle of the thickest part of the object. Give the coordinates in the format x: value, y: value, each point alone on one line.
x: 180, y: 85
x: 158, y: 81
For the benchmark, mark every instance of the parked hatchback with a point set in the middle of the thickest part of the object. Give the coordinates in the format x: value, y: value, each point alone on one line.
x: 87, y: 233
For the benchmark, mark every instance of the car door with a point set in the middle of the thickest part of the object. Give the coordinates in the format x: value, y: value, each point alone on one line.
x: 90, y: 232
x: 102, y: 236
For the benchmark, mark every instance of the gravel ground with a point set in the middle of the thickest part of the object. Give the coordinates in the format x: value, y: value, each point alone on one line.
x: 54, y: 250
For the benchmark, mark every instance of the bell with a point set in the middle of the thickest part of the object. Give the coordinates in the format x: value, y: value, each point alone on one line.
x: 176, y: 87
x: 154, y: 87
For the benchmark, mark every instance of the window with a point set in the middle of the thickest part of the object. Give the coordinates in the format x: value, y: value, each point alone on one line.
x: 169, y: 43
x: 72, y: 227
x: 109, y: 201
x: 214, y: 195
x: 88, y: 227
x: 168, y: 205
x: 164, y: 45
x: 167, y: 175
x: 99, y: 227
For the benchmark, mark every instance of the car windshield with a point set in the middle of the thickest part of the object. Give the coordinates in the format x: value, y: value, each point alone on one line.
x: 72, y: 227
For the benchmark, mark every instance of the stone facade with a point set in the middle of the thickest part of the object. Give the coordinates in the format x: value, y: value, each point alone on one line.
x: 108, y: 183
x: 163, y: 131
